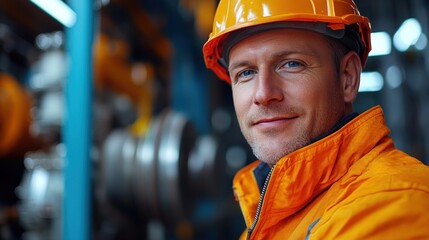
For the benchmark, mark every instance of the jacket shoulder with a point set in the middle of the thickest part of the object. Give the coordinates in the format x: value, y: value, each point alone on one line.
x: 388, y: 197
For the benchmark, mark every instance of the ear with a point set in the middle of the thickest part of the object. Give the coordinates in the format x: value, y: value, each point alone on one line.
x: 350, y: 70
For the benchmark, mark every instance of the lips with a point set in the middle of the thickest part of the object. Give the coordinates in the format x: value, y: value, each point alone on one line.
x: 274, y: 121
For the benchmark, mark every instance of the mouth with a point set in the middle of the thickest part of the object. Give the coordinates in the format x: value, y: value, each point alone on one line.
x: 272, y: 122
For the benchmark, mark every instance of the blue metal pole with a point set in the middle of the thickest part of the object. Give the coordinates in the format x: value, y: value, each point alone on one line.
x: 77, y: 133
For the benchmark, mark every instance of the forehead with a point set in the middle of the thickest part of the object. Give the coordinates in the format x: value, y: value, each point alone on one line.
x: 281, y: 39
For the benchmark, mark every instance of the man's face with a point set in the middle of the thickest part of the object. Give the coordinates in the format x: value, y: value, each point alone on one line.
x: 286, y: 90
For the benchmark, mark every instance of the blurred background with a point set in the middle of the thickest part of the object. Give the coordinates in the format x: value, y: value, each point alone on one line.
x: 112, y: 128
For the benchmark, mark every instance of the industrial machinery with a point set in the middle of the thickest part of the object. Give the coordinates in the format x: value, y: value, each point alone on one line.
x: 149, y: 167
x: 155, y: 175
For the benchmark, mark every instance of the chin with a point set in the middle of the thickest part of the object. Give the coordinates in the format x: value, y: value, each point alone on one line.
x: 271, y: 153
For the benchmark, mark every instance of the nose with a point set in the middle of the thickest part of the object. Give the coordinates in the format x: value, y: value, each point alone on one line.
x: 268, y: 89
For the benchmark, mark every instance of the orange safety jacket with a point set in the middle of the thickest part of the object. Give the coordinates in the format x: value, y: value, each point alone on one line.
x: 352, y: 184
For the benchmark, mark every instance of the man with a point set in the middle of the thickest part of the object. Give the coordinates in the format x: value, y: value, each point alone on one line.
x: 325, y: 172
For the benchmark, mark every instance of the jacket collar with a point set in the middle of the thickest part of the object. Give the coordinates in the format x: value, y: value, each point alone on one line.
x: 300, y: 176
x: 262, y: 170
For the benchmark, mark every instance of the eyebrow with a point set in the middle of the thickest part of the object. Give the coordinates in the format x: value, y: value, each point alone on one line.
x: 238, y: 64
x: 276, y: 55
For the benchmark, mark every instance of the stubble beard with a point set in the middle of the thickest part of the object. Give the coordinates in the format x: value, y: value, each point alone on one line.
x: 271, y: 152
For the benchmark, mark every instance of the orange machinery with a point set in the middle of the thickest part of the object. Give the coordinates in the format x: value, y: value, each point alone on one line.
x: 15, y: 119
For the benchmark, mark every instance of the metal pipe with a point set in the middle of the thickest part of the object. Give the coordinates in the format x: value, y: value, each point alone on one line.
x: 77, y: 135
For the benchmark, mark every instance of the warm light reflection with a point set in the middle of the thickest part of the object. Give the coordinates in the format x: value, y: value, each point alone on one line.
x: 266, y: 10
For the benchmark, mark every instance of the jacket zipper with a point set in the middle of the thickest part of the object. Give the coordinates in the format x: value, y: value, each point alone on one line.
x: 261, y: 199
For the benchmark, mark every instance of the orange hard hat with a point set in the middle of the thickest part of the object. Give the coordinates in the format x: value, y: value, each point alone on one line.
x: 324, y: 16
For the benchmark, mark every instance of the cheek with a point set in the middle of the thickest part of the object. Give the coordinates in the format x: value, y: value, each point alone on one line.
x: 302, y: 94
x: 239, y: 102
x: 317, y: 89
x: 241, y: 97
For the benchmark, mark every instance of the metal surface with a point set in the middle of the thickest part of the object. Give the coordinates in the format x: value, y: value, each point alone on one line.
x: 177, y: 140
x: 151, y: 173
x: 206, y: 167
x: 41, y: 192
x: 119, y: 154
x: 145, y: 174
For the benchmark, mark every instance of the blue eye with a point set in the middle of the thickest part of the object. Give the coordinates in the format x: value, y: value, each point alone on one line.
x: 246, y: 73
x: 243, y: 76
x: 293, y: 64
